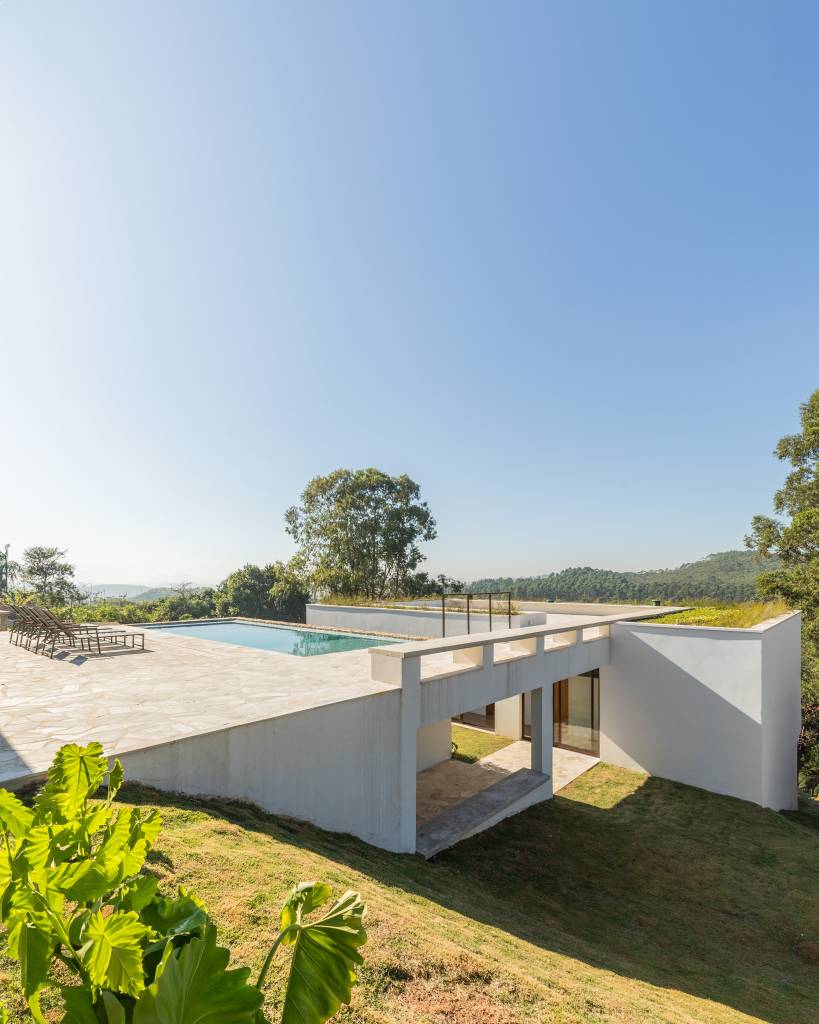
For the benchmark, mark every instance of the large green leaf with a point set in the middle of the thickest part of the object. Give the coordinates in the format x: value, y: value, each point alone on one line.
x: 34, y: 948
x: 75, y: 774
x: 115, y: 779
x: 78, y: 1006
x: 175, y: 917
x: 25, y: 906
x: 15, y: 817
x: 193, y: 987
x: 82, y: 881
x: 137, y: 894
x: 113, y: 951
x: 114, y: 1010
x: 325, y: 953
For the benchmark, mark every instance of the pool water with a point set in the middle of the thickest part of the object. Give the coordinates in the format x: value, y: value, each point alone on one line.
x: 302, y: 642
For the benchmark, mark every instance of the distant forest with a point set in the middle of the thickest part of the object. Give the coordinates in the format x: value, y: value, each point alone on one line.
x: 725, y: 576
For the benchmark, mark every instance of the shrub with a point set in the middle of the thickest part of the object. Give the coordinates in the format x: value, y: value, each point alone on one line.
x: 74, y: 898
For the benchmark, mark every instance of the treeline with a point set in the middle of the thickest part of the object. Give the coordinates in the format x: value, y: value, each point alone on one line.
x: 260, y: 592
x: 723, y: 577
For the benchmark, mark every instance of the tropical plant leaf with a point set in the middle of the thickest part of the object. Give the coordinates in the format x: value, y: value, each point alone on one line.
x: 78, y: 1006
x: 142, y: 837
x: 115, y: 779
x: 34, y: 948
x: 325, y: 953
x: 114, y: 1010
x: 75, y: 774
x: 175, y: 917
x: 15, y: 817
x: 193, y: 987
x: 137, y: 894
x: 25, y: 906
x: 82, y: 881
x: 301, y: 901
x: 113, y: 951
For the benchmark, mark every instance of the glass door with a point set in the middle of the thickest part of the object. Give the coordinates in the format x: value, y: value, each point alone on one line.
x: 576, y: 713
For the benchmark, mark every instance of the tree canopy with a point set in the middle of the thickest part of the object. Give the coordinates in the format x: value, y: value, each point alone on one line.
x: 791, y: 535
x: 358, y: 532
x: 45, y: 573
x: 723, y: 577
x: 272, y: 592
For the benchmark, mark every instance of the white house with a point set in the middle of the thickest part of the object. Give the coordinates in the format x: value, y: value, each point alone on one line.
x: 360, y: 741
x: 711, y: 707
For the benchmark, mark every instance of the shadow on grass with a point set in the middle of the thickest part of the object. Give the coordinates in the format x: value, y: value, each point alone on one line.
x: 643, y: 877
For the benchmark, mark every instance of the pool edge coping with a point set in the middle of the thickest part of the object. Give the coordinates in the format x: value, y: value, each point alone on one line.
x: 275, y: 624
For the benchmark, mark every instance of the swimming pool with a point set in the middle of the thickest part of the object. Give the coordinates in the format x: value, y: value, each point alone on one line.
x: 302, y: 642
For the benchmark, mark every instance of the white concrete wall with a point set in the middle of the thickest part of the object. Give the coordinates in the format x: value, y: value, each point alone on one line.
x: 714, y: 708
x: 410, y: 621
x: 781, y: 711
x: 336, y: 766
x: 434, y: 744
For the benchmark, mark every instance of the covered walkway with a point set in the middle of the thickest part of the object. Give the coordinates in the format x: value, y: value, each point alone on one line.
x: 455, y: 800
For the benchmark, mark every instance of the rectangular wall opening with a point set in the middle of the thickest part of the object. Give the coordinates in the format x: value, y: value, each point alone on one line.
x: 479, y: 718
x: 576, y: 713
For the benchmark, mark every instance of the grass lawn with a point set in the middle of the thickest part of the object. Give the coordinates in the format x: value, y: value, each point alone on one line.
x: 473, y: 744
x: 743, y: 614
x: 624, y: 899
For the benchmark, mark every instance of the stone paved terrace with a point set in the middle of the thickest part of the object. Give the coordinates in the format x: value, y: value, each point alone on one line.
x: 177, y: 687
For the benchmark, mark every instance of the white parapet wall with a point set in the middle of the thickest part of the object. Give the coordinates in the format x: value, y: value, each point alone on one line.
x: 712, y: 707
x: 335, y: 766
x: 412, y: 622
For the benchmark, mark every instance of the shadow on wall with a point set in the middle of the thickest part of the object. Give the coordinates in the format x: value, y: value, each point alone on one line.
x: 652, y: 880
x: 689, y: 707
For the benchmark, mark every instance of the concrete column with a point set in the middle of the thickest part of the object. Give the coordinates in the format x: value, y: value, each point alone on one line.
x: 542, y: 730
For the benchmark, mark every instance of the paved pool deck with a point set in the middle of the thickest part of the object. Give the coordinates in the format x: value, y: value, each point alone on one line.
x: 178, y: 686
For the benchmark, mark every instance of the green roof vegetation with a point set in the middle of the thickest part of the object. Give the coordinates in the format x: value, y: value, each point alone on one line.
x: 626, y: 898
x: 742, y: 615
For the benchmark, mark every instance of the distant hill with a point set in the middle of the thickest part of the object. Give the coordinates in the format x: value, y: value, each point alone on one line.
x: 129, y: 590
x: 155, y: 594
x: 126, y: 591
x: 725, y: 576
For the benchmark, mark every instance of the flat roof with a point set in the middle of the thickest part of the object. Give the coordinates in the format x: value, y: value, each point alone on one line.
x: 179, y: 686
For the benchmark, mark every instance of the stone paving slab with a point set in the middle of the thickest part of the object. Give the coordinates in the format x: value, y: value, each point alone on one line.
x: 179, y: 686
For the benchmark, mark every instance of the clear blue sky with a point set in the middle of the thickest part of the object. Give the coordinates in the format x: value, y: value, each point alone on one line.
x: 557, y: 261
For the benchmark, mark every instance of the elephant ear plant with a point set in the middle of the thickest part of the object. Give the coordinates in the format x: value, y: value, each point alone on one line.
x: 73, y: 896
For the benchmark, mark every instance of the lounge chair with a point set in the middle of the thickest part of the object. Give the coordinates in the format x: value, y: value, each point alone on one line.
x: 25, y: 627
x: 89, y: 634
x: 40, y: 623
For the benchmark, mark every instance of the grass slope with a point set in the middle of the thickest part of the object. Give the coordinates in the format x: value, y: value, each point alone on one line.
x: 624, y: 899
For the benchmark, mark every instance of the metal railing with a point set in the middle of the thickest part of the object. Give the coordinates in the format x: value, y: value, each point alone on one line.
x: 469, y: 597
